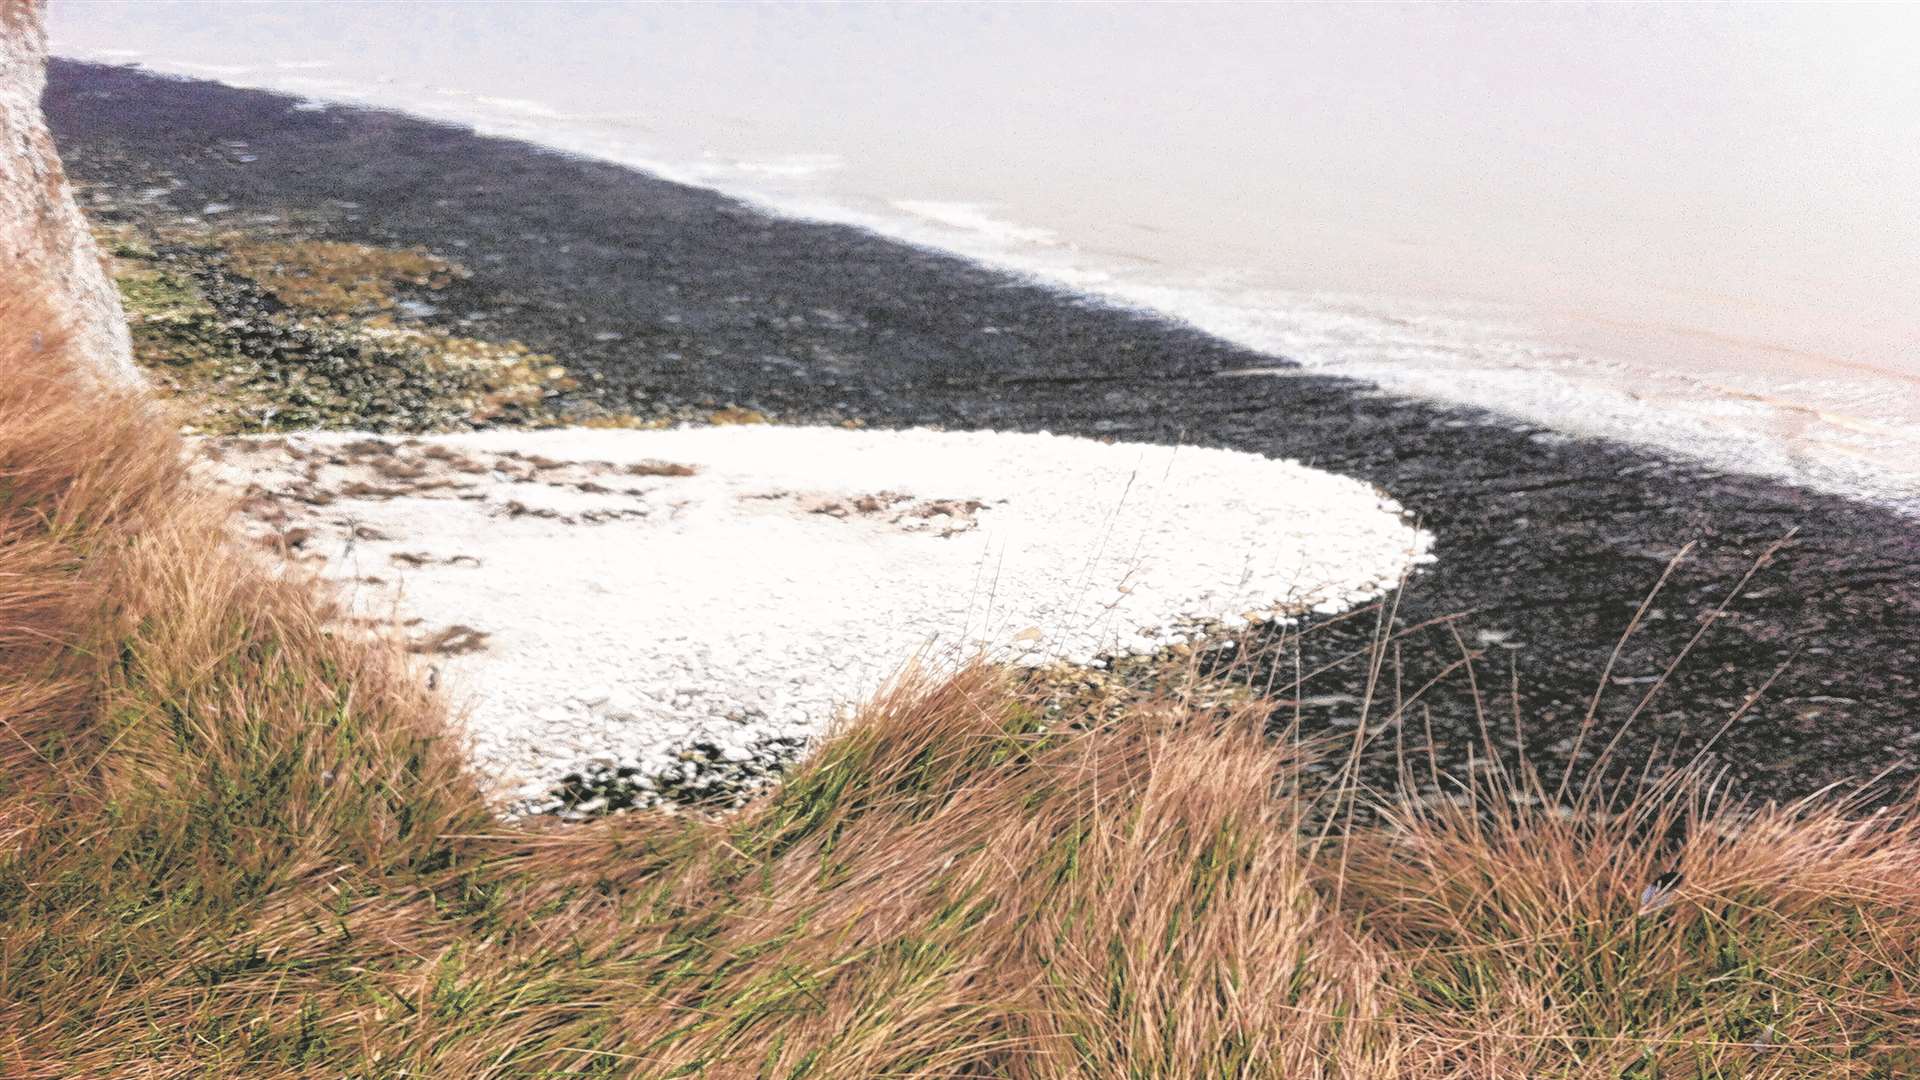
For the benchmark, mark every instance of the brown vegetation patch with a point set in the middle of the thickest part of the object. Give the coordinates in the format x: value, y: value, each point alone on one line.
x: 337, y: 278
x: 455, y: 640
x: 944, y: 517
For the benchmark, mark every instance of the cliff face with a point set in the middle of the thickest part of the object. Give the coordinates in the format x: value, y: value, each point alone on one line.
x: 42, y: 236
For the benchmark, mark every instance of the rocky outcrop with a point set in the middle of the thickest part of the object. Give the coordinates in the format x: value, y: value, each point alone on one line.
x: 42, y: 235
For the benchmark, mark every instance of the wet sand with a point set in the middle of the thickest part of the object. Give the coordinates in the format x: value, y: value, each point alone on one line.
x: 665, y: 297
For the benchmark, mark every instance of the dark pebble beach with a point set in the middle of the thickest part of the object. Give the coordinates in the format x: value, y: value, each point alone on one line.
x: 661, y: 298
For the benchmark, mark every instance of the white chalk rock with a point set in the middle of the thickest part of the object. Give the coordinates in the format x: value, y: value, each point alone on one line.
x: 583, y: 599
x: 43, y: 238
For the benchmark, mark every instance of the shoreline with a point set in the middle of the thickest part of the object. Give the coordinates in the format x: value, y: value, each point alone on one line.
x: 1558, y: 361
x: 663, y: 295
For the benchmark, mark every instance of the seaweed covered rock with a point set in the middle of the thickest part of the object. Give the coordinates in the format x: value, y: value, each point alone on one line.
x: 259, y: 331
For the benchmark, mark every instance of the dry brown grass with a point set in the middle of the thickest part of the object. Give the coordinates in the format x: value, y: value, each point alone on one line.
x: 233, y: 843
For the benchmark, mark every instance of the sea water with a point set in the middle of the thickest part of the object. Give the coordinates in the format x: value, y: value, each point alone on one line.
x: 1690, y: 227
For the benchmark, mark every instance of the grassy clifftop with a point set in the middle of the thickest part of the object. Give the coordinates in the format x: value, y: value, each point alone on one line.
x: 235, y: 842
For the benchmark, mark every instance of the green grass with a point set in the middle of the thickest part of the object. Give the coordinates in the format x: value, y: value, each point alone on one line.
x: 235, y: 842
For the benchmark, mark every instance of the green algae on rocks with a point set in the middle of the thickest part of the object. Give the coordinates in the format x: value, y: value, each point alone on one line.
x: 337, y: 278
x: 268, y: 332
